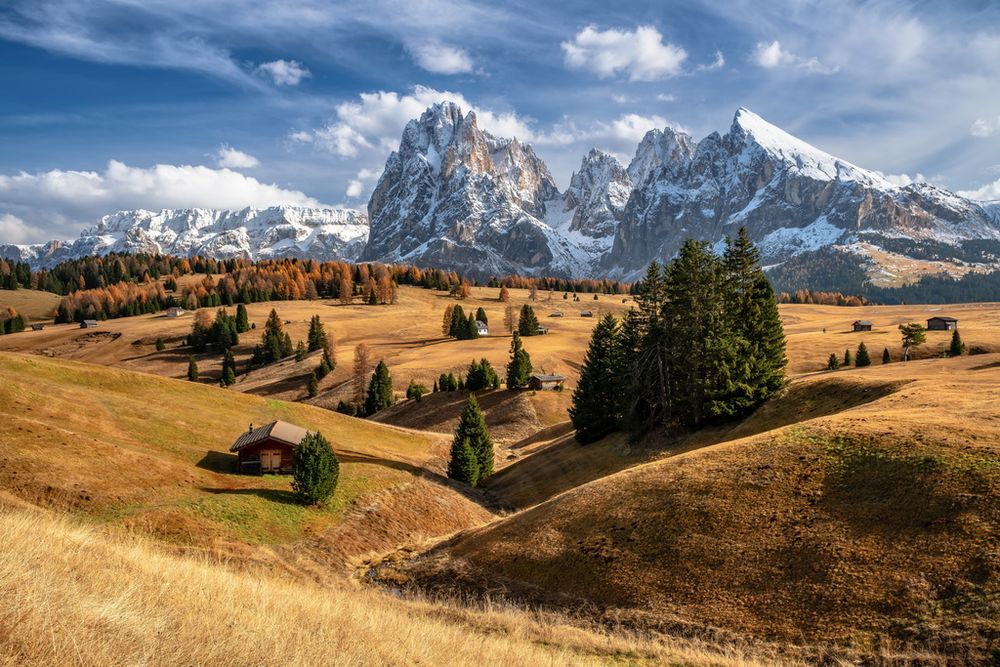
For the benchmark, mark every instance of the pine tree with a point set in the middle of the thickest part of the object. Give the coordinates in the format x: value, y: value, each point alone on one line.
x: 242, y: 319
x: 847, y: 358
x: 470, y: 331
x: 192, y: 370
x: 861, y: 359
x: 317, y: 335
x: 957, y: 347
x: 481, y: 315
x: 160, y: 345
x: 313, y: 384
x: 228, y: 369
x: 527, y: 323
x: 472, y: 428
x: 379, y: 390
x: 885, y: 356
x: 833, y: 363
x: 458, y: 321
x: 300, y: 351
x: 519, y: 365
x: 415, y: 391
x: 462, y: 463
x: 316, y: 470
x: 596, y: 409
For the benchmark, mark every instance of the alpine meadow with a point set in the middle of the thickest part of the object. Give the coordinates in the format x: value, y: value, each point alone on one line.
x: 467, y: 333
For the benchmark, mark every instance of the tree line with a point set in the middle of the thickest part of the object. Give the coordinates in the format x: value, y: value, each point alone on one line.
x: 704, y: 345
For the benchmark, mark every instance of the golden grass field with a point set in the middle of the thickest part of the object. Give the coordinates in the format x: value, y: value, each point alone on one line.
x: 853, y: 518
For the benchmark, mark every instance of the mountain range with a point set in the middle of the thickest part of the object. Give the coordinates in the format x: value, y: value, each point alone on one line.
x: 455, y: 196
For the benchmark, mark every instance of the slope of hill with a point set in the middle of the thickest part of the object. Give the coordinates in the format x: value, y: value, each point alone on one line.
x: 151, y: 454
x: 874, y: 529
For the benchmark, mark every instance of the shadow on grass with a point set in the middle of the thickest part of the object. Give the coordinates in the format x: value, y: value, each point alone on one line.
x: 218, y: 462
x: 282, y: 496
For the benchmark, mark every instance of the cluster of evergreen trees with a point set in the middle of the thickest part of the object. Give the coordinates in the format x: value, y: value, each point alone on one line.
x: 527, y: 322
x: 14, y: 274
x: 705, y: 345
x: 457, y: 325
x: 276, y: 343
x: 481, y: 376
x: 471, y: 456
x: 11, y: 321
x: 222, y: 334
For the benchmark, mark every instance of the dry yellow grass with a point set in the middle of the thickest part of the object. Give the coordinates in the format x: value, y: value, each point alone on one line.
x: 33, y: 304
x: 74, y: 595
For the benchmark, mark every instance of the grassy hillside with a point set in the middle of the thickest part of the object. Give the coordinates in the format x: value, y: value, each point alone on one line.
x: 151, y: 453
x: 33, y: 304
x: 874, y: 528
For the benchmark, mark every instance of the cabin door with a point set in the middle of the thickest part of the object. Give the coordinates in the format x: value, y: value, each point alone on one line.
x: 270, y: 460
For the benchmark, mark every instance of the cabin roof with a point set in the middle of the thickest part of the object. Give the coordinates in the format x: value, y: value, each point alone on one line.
x: 90, y: 323
x: 864, y: 322
x: 541, y: 377
x: 277, y: 430
x: 943, y: 318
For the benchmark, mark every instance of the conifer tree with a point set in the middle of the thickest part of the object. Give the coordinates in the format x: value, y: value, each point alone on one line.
x: 833, y: 363
x: 160, y: 345
x: 228, y: 369
x: 527, y: 323
x: 481, y: 315
x: 462, y: 463
x: 458, y: 321
x: 596, y: 409
x: 317, y: 335
x: 472, y: 428
x: 847, y: 358
x: 242, y: 319
x: 300, y: 351
x: 192, y: 370
x: 519, y: 365
x: 313, y: 384
x: 861, y: 358
x: 415, y: 391
x: 379, y: 390
x: 886, y: 358
x: 913, y: 336
x: 470, y: 331
x: 315, y: 471
x: 957, y: 347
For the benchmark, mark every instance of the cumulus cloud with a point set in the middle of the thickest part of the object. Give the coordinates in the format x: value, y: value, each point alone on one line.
x: 666, y: 97
x: 639, y: 54
x: 356, y: 186
x: 771, y: 55
x: 439, y: 58
x: 14, y: 230
x: 989, y: 192
x: 984, y: 127
x: 376, y: 120
x: 59, y: 202
x: 717, y: 63
x: 227, y: 156
x: 902, y: 180
x: 284, y: 72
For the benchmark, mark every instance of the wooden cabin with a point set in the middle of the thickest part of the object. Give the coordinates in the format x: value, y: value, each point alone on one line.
x: 175, y: 312
x: 586, y: 313
x: 556, y: 314
x: 862, y: 325
x: 482, y: 329
x: 942, y: 323
x: 37, y: 326
x: 540, y: 382
x: 268, y: 448
x: 88, y: 324
x: 542, y: 331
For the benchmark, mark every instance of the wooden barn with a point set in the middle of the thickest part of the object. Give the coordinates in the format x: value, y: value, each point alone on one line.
x: 862, y: 325
x: 540, y: 381
x: 942, y: 323
x: 268, y: 448
x: 586, y: 313
x: 37, y: 326
x: 88, y: 324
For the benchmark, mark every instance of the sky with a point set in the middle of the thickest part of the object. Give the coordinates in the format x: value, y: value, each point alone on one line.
x: 120, y: 104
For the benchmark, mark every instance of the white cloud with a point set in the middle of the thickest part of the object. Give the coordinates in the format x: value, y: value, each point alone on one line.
x: 772, y: 55
x: 356, y: 186
x: 989, y: 192
x: 14, y: 230
x: 640, y: 54
x: 902, y: 180
x: 227, y: 156
x: 376, y: 121
x: 718, y: 63
x: 666, y: 97
x: 284, y: 72
x: 439, y: 58
x: 984, y: 127
x: 60, y: 202
x: 621, y: 99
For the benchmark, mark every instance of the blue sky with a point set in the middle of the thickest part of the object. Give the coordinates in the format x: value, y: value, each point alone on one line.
x: 111, y: 104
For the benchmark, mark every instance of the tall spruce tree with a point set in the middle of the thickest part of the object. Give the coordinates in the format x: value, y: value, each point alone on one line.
x: 192, y: 369
x: 472, y: 428
x: 833, y: 363
x: 242, y: 319
x: 315, y: 470
x: 886, y: 358
x: 957, y: 347
x: 317, y: 335
x: 463, y: 466
x: 527, y: 323
x: 650, y: 398
x: 596, y: 409
x: 519, y: 365
x: 379, y: 390
x: 481, y: 315
x: 847, y: 358
x: 861, y: 358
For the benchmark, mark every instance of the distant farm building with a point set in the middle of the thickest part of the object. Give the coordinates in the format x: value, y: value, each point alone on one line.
x: 268, y: 448
x: 88, y: 324
x: 586, y: 313
x: 542, y: 331
x: 862, y: 325
x: 37, y: 327
x: 556, y: 314
x: 942, y: 324
x: 175, y: 312
x: 540, y: 381
x: 482, y: 329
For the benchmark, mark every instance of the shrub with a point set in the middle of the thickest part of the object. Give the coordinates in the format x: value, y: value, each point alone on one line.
x: 316, y: 470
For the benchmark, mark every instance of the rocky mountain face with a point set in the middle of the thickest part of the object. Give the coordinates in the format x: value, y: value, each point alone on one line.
x: 276, y: 232
x: 455, y: 196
